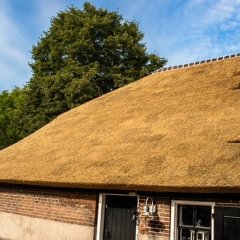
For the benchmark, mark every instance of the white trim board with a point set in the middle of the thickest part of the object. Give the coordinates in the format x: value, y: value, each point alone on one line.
x: 101, y: 214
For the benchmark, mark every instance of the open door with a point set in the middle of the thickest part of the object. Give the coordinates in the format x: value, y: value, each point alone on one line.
x: 120, y: 218
x: 227, y: 223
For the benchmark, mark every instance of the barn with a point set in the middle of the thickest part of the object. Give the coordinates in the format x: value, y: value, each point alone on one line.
x: 158, y: 159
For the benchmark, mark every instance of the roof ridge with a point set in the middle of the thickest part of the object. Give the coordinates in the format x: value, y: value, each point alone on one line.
x: 196, y: 63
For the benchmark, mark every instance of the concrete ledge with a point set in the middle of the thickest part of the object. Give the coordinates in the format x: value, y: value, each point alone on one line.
x: 17, y: 227
x: 151, y: 237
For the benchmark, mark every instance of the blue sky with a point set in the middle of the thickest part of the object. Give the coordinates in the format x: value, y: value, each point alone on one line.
x: 179, y: 30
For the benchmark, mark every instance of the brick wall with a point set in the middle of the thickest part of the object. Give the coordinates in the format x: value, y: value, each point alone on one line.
x: 80, y: 207
x: 74, y: 207
x: 159, y: 223
x: 158, y: 226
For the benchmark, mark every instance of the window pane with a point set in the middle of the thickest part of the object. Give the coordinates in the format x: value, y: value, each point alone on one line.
x: 203, y: 216
x: 187, y: 234
x: 194, y: 222
x: 203, y: 235
x: 186, y: 215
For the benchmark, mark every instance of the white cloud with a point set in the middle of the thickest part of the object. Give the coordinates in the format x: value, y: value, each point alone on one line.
x: 17, y: 37
x: 13, y: 53
x: 207, y: 29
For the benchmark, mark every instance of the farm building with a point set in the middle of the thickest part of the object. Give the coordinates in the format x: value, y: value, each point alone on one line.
x: 158, y: 159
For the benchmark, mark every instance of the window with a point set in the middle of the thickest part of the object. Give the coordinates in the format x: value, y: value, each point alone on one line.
x: 194, y: 222
x: 191, y: 221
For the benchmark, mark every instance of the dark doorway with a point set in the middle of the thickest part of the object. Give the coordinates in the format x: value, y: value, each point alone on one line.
x: 227, y: 223
x: 120, y: 218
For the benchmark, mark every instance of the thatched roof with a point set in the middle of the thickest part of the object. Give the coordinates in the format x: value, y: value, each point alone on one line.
x: 171, y: 131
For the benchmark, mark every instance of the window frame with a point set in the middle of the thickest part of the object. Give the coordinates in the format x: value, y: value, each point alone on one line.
x: 174, y: 215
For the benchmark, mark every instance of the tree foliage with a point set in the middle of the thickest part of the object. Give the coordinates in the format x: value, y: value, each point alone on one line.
x: 84, y: 54
x: 11, y: 111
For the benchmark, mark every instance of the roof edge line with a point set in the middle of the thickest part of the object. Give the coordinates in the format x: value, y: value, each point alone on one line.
x: 126, y: 187
x: 174, y: 67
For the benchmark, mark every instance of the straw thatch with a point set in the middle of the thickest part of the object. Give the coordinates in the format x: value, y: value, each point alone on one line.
x: 171, y: 131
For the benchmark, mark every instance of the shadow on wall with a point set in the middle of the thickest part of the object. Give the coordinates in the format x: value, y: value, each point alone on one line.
x: 157, y: 225
x: 151, y: 224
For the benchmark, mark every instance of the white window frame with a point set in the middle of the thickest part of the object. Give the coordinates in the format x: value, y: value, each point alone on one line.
x: 174, y: 207
x: 101, y: 212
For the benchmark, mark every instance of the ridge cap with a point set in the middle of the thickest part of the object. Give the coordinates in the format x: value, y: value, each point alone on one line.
x: 164, y: 69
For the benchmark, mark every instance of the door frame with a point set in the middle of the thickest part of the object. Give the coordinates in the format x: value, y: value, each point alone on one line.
x: 101, y: 212
x: 174, y: 207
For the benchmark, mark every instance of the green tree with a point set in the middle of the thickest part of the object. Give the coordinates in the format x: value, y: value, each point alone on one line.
x: 11, y: 112
x: 83, y: 55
